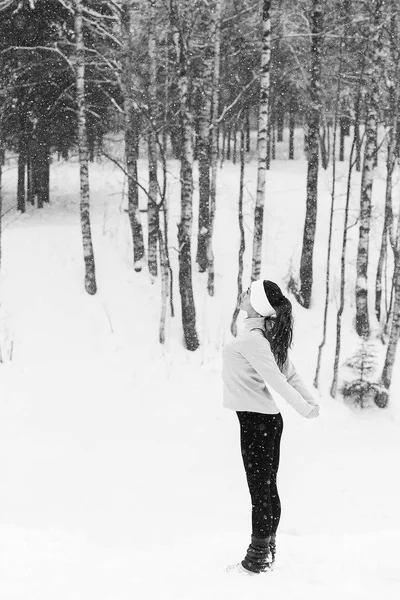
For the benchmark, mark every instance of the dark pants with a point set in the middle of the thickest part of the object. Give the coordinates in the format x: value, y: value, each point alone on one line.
x: 260, y: 437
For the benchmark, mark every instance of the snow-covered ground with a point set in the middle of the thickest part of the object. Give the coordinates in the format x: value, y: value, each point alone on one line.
x: 120, y: 473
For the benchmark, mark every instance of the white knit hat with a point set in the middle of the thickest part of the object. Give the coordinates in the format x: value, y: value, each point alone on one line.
x: 259, y: 300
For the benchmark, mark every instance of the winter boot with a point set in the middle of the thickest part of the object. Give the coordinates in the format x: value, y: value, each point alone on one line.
x: 258, y: 555
x: 238, y: 568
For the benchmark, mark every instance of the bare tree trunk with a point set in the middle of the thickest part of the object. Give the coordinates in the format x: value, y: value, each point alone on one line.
x: 262, y: 139
x: 223, y: 143
x: 214, y: 142
x: 358, y: 145
x: 21, y: 174
x: 269, y: 141
x: 389, y: 312
x: 164, y: 287
x: 164, y: 152
x: 46, y: 170
x: 1, y: 192
x: 382, y: 397
x: 90, y: 276
x: 234, y: 154
x: 248, y: 141
x: 390, y: 162
x: 333, y: 390
x: 292, y: 123
x: 306, y: 263
x: 165, y: 265
x: 29, y: 177
x: 152, y: 208
x: 342, y: 138
x: 229, y: 137
x: 131, y: 117
x: 352, y: 162
x: 362, y: 316
x: 273, y: 146
x: 186, y: 174
x: 332, y: 212
x: 204, y: 153
x: 280, y: 121
x: 242, y: 246
x: 166, y: 101
x: 324, y: 144
x: 41, y: 163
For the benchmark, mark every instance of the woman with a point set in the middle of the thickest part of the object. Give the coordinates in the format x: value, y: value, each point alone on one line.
x: 255, y: 362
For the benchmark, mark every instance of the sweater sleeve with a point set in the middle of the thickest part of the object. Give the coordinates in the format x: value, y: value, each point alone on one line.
x: 295, y: 381
x: 257, y: 351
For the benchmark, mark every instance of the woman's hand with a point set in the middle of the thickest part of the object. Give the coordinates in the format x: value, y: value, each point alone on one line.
x: 314, y: 412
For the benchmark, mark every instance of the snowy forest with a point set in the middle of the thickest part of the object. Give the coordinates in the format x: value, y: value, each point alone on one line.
x: 194, y: 81
x: 156, y: 156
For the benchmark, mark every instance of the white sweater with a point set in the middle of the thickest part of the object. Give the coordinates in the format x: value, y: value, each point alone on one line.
x: 249, y: 370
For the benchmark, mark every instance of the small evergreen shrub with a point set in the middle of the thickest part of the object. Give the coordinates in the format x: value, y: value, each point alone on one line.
x: 362, y: 391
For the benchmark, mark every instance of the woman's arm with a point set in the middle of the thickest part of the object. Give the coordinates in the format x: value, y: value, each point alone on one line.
x: 296, y: 381
x: 257, y: 351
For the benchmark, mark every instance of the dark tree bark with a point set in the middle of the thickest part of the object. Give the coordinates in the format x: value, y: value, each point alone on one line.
x: 324, y: 144
x: 186, y: 174
x: 292, y: 124
x: 1, y: 192
x: 273, y: 147
x: 306, y: 263
x: 152, y: 207
x: 30, y: 192
x: 21, y: 174
x: 234, y: 154
x: 248, y: 141
x: 204, y: 150
x: 132, y: 120
x: 280, y: 121
x: 343, y: 127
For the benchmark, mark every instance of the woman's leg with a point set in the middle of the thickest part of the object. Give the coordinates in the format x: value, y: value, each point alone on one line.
x: 258, y: 433
x: 275, y: 500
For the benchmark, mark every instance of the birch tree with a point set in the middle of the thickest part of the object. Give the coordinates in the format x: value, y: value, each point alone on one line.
x: 368, y: 168
x: 90, y: 275
x: 242, y: 243
x: 331, y: 216
x: 204, y: 120
x: 262, y: 139
x: 353, y: 160
x: 131, y: 118
x: 216, y: 20
x: 152, y: 207
x: 334, y: 384
x: 382, y: 396
x: 21, y: 174
x: 392, y: 79
x: 313, y: 125
x: 181, y: 44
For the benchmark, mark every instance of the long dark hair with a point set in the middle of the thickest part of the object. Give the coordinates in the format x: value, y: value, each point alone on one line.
x: 278, y: 330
